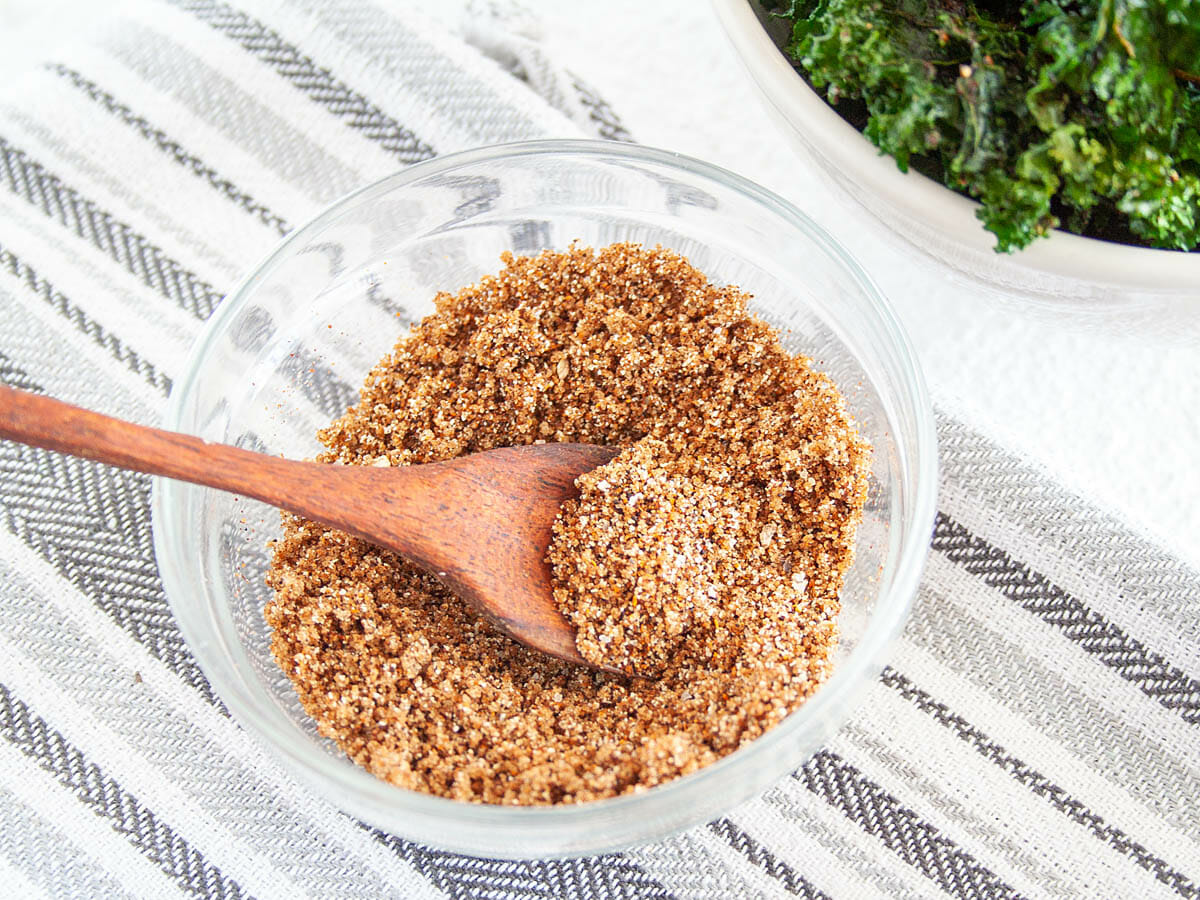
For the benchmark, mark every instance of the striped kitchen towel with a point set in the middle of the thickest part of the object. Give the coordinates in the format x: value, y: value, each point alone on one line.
x: 1037, y: 732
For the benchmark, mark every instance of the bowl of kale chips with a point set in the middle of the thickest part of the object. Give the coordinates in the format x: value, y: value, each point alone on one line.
x: 1049, y: 149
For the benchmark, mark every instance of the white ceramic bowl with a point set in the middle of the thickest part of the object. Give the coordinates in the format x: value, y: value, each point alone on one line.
x: 1084, y: 274
x: 288, y: 348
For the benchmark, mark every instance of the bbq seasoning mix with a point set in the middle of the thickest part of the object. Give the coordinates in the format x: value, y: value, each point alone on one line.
x: 707, y: 556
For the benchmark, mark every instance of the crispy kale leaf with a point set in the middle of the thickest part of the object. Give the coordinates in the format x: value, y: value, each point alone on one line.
x: 1083, y: 114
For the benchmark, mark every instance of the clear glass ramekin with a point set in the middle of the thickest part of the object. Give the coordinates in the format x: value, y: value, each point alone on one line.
x: 287, y: 350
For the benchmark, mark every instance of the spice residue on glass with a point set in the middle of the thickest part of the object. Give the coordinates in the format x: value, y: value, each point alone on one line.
x: 708, y: 554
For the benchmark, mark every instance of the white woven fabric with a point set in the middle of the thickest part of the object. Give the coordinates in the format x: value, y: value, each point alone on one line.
x: 1037, y: 733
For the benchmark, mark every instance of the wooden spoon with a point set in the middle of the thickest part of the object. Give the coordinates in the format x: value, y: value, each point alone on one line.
x: 480, y: 523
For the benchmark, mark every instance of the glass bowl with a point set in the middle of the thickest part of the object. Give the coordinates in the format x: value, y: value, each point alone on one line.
x: 1088, y: 278
x: 286, y: 352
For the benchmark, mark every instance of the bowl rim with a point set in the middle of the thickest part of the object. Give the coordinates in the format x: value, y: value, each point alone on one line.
x: 850, y: 676
x: 843, y: 147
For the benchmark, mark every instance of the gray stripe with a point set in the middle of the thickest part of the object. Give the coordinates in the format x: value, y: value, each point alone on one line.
x: 607, y: 123
x: 14, y: 376
x: 612, y: 877
x: 977, y: 469
x: 84, y: 166
x: 234, y: 111
x: 44, y: 190
x: 82, y: 321
x: 1040, y: 785
x: 1108, y: 742
x: 760, y: 856
x: 862, y: 857
x: 470, y: 104
x: 37, y: 847
x: 172, y: 148
x: 47, y: 857
x: 954, y: 811
x: 22, y: 728
x: 30, y: 180
x: 901, y: 830
x: 52, y: 356
x: 92, y: 523
x: 1129, y: 658
x: 315, y: 82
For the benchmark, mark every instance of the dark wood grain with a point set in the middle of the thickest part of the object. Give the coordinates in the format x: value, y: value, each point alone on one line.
x: 481, y: 523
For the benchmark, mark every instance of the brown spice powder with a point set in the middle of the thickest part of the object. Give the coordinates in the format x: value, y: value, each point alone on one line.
x: 708, y: 554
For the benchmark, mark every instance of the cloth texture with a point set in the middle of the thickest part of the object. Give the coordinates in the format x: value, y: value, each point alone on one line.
x: 1036, y: 733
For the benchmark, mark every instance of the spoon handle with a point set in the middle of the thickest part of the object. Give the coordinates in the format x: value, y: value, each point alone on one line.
x: 54, y: 425
x: 423, y: 512
x: 331, y: 495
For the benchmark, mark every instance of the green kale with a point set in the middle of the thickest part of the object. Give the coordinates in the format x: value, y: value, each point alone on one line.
x: 1081, y: 114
